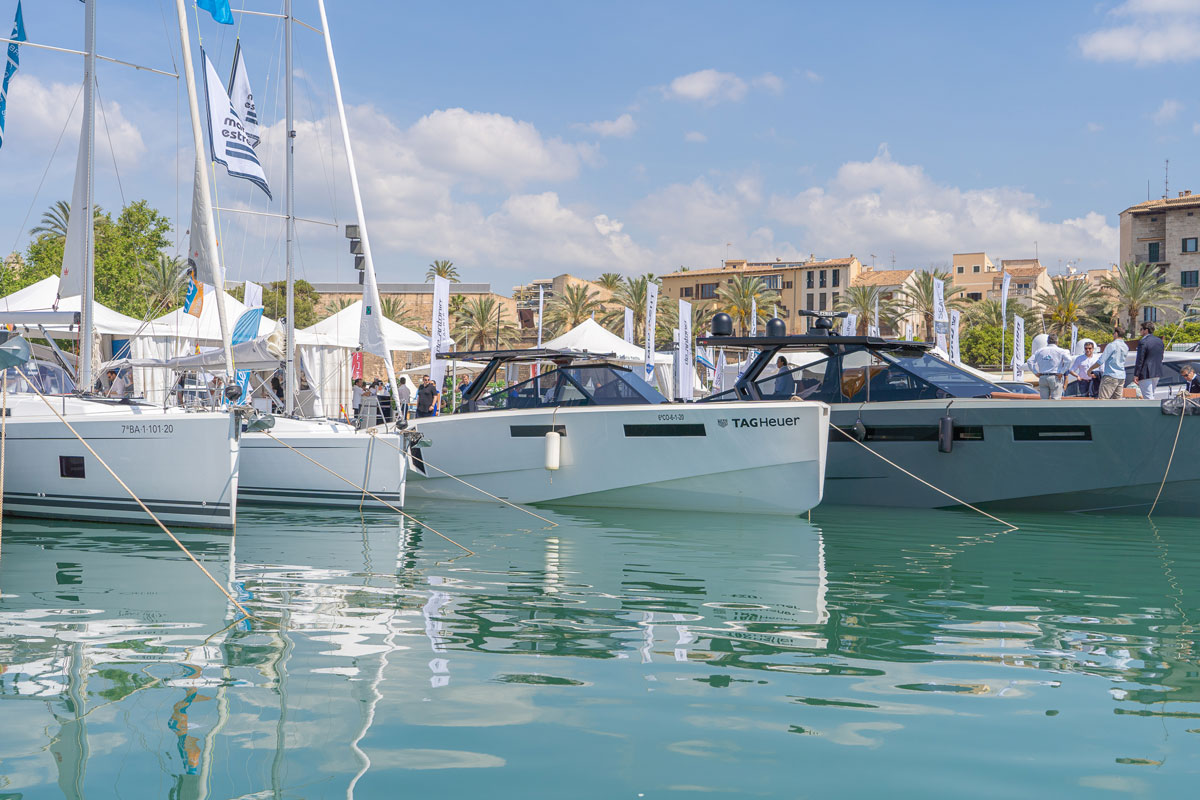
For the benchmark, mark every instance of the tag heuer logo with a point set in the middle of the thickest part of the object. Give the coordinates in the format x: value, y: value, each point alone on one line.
x: 723, y: 423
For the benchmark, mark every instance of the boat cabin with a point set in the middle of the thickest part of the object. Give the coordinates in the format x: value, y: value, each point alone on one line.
x: 575, y: 379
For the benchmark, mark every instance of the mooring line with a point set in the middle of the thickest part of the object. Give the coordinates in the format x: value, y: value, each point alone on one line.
x: 1182, y: 413
x: 137, y: 499
x: 552, y: 523
x: 365, y: 491
x: 919, y: 478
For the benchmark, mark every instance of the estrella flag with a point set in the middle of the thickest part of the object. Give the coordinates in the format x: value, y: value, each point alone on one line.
x: 193, y: 303
x: 218, y: 8
x: 14, y: 60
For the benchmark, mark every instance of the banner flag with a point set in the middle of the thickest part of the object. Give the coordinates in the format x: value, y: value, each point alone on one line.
x: 753, y: 316
x: 253, y: 296
x: 193, y: 303
x: 218, y: 8
x: 908, y: 332
x: 955, y: 318
x: 14, y: 61
x: 1004, y: 301
x: 227, y: 139
x: 541, y: 310
x: 720, y: 382
x: 849, y: 325
x: 439, y: 330
x: 683, y: 373
x: 1074, y: 338
x: 1018, y: 351
x: 242, y: 97
x: 629, y: 325
x: 651, y: 312
x: 245, y: 329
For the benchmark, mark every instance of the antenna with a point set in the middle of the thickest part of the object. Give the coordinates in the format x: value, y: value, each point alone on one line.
x: 1166, y: 179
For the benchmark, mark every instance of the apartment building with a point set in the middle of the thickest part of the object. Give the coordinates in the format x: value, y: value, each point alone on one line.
x: 1166, y: 233
x: 973, y: 273
x: 813, y: 284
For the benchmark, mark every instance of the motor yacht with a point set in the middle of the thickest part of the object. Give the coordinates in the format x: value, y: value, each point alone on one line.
x: 590, y: 432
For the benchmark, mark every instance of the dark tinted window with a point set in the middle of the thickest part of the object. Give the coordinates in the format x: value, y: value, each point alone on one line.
x: 574, y: 386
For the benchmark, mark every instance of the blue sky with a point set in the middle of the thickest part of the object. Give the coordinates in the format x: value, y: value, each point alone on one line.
x: 522, y: 140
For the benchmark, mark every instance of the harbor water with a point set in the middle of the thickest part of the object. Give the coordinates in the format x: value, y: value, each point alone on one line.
x: 864, y: 653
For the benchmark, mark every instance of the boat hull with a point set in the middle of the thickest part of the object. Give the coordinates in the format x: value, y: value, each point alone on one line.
x: 182, y: 465
x: 275, y: 474
x: 1034, y: 455
x: 766, y: 458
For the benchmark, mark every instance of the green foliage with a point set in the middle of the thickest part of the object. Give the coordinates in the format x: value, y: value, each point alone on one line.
x: 575, y: 305
x: 1071, y: 301
x: 862, y: 302
x: 609, y: 280
x: 1179, y: 333
x: 980, y: 345
x: 483, y: 324
x: 442, y: 269
x: 739, y: 296
x: 305, y: 302
x: 1136, y: 286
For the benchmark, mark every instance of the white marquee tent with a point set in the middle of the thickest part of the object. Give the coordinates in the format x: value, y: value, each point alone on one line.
x: 590, y: 337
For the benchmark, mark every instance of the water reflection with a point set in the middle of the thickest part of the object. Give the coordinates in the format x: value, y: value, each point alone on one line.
x: 683, y: 652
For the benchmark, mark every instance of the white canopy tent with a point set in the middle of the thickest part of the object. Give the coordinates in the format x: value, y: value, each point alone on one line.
x: 325, y: 349
x: 590, y: 337
x: 41, y: 296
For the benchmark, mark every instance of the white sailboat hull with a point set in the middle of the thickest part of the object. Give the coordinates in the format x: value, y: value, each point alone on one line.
x: 275, y: 471
x: 182, y: 465
x: 765, y: 458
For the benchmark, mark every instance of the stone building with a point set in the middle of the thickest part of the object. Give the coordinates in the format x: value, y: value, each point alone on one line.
x: 1165, y: 233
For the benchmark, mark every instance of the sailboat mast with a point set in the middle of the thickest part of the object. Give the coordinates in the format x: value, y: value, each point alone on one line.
x: 204, y: 190
x: 370, y: 287
x: 86, y: 331
x: 290, y: 195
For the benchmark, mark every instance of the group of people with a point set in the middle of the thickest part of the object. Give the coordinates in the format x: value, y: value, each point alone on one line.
x: 1103, y: 376
x: 428, y: 398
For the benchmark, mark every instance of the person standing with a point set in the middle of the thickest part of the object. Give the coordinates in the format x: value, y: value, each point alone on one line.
x: 428, y: 398
x: 1112, y: 366
x: 1051, y: 364
x: 356, y: 396
x: 1148, y: 368
x: 1082, y: 368
x: 403, y: 399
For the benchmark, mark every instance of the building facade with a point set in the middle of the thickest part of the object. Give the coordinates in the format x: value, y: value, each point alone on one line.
x: 973, y: 273
x: 1165, y: 233
x: 813, y: 285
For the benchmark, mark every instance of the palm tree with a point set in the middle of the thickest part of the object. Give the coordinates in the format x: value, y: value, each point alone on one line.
x: 918, y: 298
x: 163, y: 280
x: 337, y: 304
x: 481, y: 324
x: 442, y: 269
x: 740, y: 294
x: 609, y: 280
x: 1071, y: 301
x: 394, y: 309
x: 55, y: 219
x: 668, y: 320
x: 861, y: 301
x: 987, y: 312
x: 1138, y: 286
x: 571, y: 308
x: 630, y: 294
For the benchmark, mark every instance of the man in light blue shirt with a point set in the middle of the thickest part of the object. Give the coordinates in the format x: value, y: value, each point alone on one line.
x: 1112, y: 366
x: 1051, y: 364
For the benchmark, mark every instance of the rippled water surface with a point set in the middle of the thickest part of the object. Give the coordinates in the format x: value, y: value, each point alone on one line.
x: 619, y: 654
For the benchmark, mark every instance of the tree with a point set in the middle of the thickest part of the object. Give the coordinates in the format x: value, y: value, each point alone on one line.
x: 918, y: 298
x: 394, y: 309
x: 740, y: 294
x: 335, y: 305
x: 630, y: 294
x: 668, y: 320
x: 609, y: 280
x: 442, y: 269
x: 305, y: 302
x: 987, y: 312
x: 571, y: 308
x: 55, y: 219
x: 861, y: 302
x: 980, y: 345
x: 163, y: 280
x: 1137, y: 286
x: 1071, y: 301
x: 481, y: 325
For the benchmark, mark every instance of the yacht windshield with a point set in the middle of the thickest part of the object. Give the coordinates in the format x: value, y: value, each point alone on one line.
x: 39, y: 376
x: 585, y: 385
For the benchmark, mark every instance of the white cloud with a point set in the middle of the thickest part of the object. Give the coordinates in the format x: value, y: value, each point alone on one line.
x: 622, y: 127
x: 37, y: 112
x: 1167, y: 111
x: 1147, y: 32
x: 1196, y: 128
x: 708, y: 86
x: 694, y: 136
x: 812, y: 77
x: 1094, y: 127
x: 770, y: 82
x: 884, y: 204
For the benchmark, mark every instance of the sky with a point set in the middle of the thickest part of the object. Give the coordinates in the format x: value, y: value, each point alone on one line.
x: 526, y: 139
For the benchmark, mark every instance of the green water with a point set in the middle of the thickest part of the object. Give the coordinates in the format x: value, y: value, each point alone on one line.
x: 620, y: 654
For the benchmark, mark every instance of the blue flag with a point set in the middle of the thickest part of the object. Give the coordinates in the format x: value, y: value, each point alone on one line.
x: 219, y: 10
x: 245, y: 329
x: 14, y: 60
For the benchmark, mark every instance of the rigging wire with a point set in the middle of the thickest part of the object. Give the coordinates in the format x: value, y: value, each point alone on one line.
x: 112, y: 152
x: 45, y: 172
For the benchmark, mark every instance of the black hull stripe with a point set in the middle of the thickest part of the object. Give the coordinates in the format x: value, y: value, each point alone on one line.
x: 113, y: 504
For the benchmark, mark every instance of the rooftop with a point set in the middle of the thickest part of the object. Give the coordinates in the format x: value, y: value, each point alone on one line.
x: 881, y: 277
x: 1185, y: 200
x: 763, y: 266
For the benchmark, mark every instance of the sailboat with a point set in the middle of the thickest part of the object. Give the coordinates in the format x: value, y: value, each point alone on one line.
x: 183, y: 466
x: 323, y: 462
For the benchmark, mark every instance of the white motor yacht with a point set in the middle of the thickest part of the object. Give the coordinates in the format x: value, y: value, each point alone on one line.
x: 593, y: 433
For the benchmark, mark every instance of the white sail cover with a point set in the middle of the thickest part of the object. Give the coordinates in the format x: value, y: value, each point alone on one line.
x: 206, y: 269
x: 79, y: 230
x: 263, y: 353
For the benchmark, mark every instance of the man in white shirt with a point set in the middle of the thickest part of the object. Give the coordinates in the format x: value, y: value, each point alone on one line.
x: 1051, y: 364
x: 116, y: 385
x: 1081, y: 369
x: 403, y: 398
